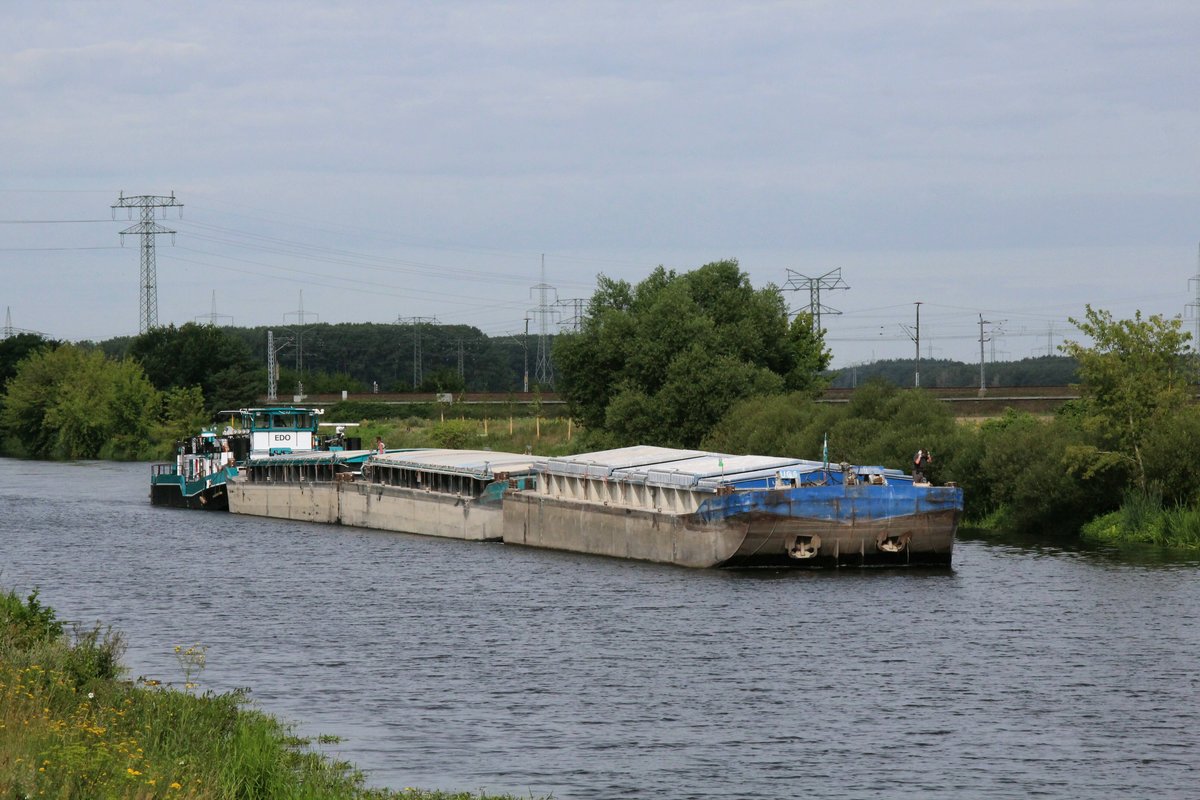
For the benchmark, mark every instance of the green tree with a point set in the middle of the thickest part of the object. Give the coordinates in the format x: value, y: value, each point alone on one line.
x: 68, y: 403
x: 881, y: 425
x: 663, y: 361
x: 200, y: 355
x: 1133, y: 375
x: 15, y: 349
x: 184, y: 413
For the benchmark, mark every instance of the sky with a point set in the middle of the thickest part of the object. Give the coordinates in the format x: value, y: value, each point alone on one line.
x: 367, y: 161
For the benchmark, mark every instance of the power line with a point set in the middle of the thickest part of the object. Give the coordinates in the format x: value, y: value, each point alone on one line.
x: 48, y: 221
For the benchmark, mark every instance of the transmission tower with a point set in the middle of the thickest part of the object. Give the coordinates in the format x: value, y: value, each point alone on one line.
x: 301, y: 318
x: 416, y: 323
x: 544, y: 367
x: 8, y: 328
x: 1193, y: 308
x: 830, y: 280
x: 213, y: 316
x: 148, y: 229
x: 575, y: 321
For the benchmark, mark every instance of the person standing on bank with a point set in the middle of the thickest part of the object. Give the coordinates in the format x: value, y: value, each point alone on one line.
x: 921, y: 462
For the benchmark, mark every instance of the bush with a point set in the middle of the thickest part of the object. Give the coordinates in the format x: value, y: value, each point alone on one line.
x: 454, y: 433
x: 26, y: 623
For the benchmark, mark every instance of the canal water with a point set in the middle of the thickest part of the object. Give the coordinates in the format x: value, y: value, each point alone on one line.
x: 1025, y: 670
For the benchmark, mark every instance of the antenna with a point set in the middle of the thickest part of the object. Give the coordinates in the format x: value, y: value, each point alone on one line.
x: 830, y: 280
x: 147, y: 228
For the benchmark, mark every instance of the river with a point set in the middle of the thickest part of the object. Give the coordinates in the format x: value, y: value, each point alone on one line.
x: 1025, y: 670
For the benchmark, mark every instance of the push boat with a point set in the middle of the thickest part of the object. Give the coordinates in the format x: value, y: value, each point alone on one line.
x: 197, y: 478
x: 685, y: 507
x: 203, y: 464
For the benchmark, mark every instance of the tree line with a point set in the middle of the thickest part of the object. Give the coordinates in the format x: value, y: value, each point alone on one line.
x: 697, y: 359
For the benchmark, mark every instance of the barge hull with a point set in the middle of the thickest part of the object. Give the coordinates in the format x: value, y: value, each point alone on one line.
x: 369, y: 505
x: 722, y: 535
x: 214, y: 498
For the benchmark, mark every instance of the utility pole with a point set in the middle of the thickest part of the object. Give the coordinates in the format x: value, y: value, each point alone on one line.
x: 525, y: 345
x: 1193, y: 308
x: 982, y: 379
x: 416, y: 322
x: 147, y: 228
x: 917, y: 377
x: 273, y: 366
x: 301, y: 318
x: 915, y: 335
x: 830, y: 280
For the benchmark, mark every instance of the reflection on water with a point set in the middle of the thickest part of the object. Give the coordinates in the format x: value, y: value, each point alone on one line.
x: 1027, y: 669
x: 1071, y: 545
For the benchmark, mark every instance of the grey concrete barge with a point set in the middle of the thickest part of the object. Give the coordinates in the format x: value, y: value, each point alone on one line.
x: 455, y: 494
x: 699, y: 509
x: 684, y: 507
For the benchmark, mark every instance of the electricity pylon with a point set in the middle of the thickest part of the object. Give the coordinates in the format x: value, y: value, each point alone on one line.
x: 148, y: 229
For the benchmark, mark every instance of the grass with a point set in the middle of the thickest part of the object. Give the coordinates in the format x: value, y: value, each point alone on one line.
x: 71, y: 727
x: 1143, y: 519
x: 542, y: 436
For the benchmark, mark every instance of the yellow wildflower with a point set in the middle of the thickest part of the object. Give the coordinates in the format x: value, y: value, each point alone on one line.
x: 176, y: 785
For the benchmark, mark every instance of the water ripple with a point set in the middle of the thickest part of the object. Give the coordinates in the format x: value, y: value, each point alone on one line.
x: 1026, y: 671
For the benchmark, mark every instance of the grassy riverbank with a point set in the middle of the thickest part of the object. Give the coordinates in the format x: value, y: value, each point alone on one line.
x: 1144, y: 519
x: 71, y: 727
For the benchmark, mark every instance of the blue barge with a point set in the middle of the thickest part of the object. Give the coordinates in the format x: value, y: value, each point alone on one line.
x: 701, y: 509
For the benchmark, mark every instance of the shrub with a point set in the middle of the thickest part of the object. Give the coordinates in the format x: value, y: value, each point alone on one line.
x: 454, y: 433
x: 29, y: 622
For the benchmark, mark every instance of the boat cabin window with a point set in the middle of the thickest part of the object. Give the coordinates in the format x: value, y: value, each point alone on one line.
x: 283, y: 421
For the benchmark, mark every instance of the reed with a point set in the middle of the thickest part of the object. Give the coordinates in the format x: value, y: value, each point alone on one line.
x: 1143, y: 518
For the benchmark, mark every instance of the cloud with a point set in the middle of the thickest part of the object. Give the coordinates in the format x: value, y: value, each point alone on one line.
x: 142, y: 67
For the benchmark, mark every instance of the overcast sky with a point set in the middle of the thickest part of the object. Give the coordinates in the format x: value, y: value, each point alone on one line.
x: 1014, y: 160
